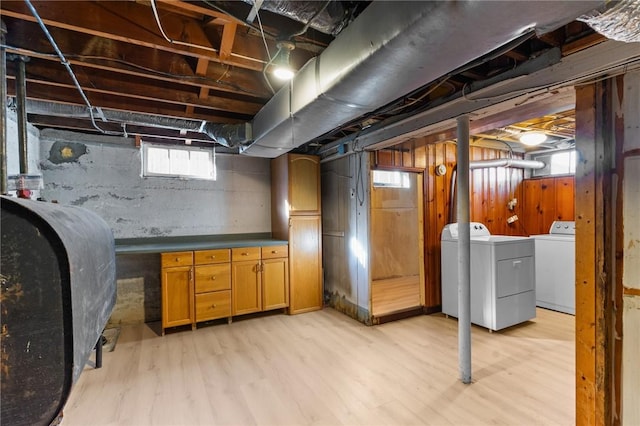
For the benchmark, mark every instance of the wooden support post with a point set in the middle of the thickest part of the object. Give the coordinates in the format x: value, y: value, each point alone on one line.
x: 595, y: 143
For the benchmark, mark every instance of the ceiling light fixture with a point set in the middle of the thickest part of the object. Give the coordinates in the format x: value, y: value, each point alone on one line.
x: 282, y: 69
x: 532, y: 138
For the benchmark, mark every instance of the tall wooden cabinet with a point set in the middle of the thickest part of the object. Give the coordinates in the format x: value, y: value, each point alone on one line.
x: 296, y: 217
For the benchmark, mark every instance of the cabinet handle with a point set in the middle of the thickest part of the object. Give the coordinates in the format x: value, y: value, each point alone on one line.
x: 245, y: 254
x: 213, y: 278
x: 212, y: 257
x: 274, y: 251
x: 177, y: 259
x: 213, y: 306
x: 190, y: 275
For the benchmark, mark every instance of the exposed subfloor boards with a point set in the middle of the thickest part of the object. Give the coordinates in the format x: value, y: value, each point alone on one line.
x: 325, y: 368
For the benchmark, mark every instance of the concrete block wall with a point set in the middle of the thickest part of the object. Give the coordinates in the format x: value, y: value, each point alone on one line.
x: 103, y: 174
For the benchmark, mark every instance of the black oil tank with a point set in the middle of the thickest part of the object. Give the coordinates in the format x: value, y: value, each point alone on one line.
x: 57, y: 291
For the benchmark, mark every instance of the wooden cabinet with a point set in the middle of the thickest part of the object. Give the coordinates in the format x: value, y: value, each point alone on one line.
x: 305, y: 270
x: 210, y: 284
x: 295, y: 217
x: 260, y: 279
x: 177, y: 289
x: 304, y: 184
x: 247, y: 287
x: 275, y: 277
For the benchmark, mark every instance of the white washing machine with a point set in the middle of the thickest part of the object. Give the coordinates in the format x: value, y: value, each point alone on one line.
x: 556, y: 267
x: 502, y: 277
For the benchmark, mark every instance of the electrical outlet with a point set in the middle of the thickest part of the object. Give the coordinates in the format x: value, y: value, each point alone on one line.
x: 512, y: 218
x: 512, y: 203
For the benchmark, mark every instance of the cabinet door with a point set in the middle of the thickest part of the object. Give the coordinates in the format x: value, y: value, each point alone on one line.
x: 305, y: 264
x: 275, y: 284
x: 177, y: 296
x: 304, y: 184
x: 246, y: 294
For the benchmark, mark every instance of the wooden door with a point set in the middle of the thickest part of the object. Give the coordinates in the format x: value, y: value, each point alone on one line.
x: 305, y: 264
x: 396, y: 247
x: 275, y: 283
x: 246, y: 294
x: 177, y: 296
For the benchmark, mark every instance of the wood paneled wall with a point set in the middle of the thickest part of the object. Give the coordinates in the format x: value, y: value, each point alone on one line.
x: 539, y: 201
x: 546, y: 200
x: 491, y: 190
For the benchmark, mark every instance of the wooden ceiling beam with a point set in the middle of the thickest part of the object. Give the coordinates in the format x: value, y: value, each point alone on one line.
x: 196, y: 8
x: 134, y: 23
x: 65, y: 95
x: 582, y: 43
x: 201, y: 69
x: 228, y: 36
x: 110, y: 83
x: 132, y: 60
x: 514, y: 54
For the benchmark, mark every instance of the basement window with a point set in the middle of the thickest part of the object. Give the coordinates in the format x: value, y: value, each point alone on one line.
x: 556, y: 163
x: 178, y: 161
x: 391, y: 179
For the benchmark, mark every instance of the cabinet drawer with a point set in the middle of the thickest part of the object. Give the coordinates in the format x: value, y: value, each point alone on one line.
x: 245, y: 253
x: 203, y: 257
x: 272, y: 252
x: 178, y: 258
x: 213, y: 305
x: 213, y: 277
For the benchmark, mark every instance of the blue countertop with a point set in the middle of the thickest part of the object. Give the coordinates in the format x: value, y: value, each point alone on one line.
x: 193, y: 242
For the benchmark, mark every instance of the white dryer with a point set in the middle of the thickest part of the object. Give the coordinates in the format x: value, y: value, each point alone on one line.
x: 502, y: 277
x: 556, y: 267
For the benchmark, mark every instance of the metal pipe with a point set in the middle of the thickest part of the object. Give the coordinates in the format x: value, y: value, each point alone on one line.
x: 3, y: 112
x: 452, y: 194
x: 21, y: 98
x: 507, y: 162
x: 464, y: 252
x: 65, y: 63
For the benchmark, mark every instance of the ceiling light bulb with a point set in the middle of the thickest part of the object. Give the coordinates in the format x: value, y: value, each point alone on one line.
x: 283, y: 73
x: 533, y: 138
x: 282, y: 70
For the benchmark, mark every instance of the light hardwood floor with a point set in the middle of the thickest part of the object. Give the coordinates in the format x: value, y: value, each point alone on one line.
x: 323, y: 368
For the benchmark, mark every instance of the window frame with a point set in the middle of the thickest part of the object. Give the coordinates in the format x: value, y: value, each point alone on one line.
x: 145, y: 173
x: 545, y: 157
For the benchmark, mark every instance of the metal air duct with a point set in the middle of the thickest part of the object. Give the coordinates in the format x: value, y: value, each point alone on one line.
x: 390, y: 49
x: 620, y: 20
x: 329, y: 21
x: 229, y: 135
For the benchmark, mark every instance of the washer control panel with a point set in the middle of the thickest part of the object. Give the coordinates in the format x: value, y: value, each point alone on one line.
x: 566, y: 227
